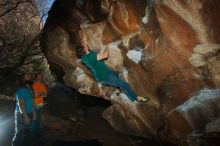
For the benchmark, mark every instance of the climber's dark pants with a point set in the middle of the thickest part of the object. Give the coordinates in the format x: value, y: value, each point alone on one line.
x: 36, y: 125
x: 114, y: 80
x: 22, y: 135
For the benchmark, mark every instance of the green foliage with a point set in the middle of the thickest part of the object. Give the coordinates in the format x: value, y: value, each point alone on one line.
x: 43, y: 67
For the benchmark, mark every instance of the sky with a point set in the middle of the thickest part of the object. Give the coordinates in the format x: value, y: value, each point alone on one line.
x: 49, y: 3
x: 45, y: 8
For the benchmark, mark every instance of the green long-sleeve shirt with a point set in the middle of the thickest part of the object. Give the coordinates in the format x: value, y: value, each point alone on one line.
x: 99, y: 69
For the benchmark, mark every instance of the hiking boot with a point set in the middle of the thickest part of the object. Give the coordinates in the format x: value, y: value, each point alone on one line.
x: 142, y: 99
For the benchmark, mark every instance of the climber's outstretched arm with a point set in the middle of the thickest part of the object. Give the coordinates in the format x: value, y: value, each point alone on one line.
x: 103, y: 55
x: 84, y: 37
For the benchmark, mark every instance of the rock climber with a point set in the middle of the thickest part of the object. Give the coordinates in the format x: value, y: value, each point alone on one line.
x: 95, y: 62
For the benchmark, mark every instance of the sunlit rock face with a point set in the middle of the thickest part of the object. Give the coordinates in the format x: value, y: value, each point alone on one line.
x: 167, y: 50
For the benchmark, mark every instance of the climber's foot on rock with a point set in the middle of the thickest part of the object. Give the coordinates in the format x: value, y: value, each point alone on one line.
x: 142, y: 99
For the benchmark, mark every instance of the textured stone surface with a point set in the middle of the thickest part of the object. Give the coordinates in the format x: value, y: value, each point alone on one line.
x: 132, y: 126
x: 214, y: 69
x: 206, y: 56
x: 207, y: 49
x: 197, y: 60
x: 213, y: 126
x: 151, y: 47
x: 203, y: 52
x: 194, y: 115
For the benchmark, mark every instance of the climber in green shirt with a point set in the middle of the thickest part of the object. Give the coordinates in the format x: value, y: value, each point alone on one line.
x: 100, y: 71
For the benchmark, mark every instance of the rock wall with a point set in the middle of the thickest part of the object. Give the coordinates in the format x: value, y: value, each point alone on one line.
x: 166, y: 50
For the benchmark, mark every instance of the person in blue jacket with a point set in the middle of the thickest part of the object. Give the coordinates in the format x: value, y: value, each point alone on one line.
x: 24, y: 111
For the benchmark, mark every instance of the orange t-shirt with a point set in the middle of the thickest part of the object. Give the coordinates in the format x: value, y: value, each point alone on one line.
x: 38, y: 87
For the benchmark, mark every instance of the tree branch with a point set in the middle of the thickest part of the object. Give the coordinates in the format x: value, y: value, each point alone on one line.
x: 35, y: 60
x: 14, y: 7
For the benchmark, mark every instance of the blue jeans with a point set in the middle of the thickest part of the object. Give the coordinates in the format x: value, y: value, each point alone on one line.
x: 113, y: 80
x: 22, y: 135
x: 36, y: 125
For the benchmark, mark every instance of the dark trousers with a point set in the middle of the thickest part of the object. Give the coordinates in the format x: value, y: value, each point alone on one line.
x: 36, y: 125
x: 22, y: 135
x: 114, y: 80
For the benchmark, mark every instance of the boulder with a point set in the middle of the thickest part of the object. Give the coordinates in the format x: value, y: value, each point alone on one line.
x: 166, y: 50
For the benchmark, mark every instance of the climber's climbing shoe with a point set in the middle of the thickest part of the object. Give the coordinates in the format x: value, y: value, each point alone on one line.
x: 142, y: 99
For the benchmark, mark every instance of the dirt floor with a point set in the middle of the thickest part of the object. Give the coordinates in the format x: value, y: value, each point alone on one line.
x: 94, y: 127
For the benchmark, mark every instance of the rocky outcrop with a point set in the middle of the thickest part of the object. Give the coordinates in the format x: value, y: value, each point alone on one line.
x: 205, y: 58
x: 166, y: 50
x: 194, y: 116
